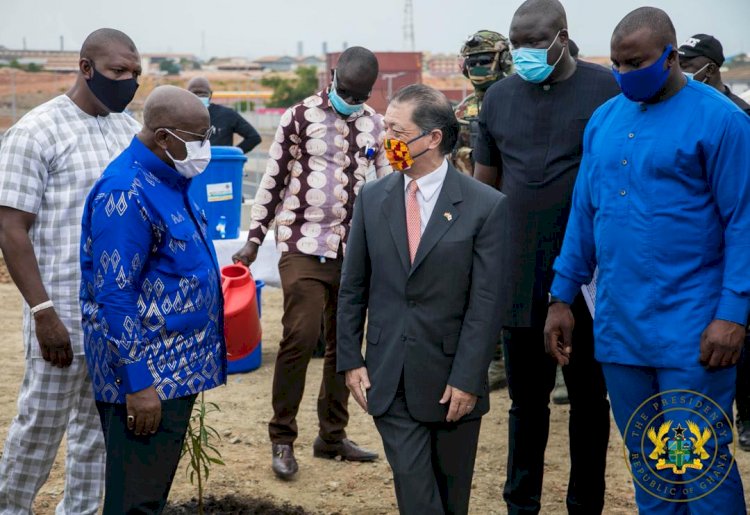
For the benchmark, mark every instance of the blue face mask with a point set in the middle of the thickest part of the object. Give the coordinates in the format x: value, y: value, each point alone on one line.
x: 644, y: 84
x: 205, y: 100
x: 531, y: 63
x: 339, y: 104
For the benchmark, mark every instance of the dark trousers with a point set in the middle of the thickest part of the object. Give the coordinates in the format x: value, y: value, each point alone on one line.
x: 743, y: 385
x: 140, y: 469
x: 310, y: 298
x: 531, y: 379
x: 432, y: 463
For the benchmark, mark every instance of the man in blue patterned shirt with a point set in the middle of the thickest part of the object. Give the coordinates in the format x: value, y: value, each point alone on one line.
x: 151, y: 300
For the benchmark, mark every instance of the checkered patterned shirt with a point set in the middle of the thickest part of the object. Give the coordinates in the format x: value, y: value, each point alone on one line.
x: 49, y: 161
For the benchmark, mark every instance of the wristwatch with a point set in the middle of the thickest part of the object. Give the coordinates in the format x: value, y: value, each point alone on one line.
x: 554, y: 300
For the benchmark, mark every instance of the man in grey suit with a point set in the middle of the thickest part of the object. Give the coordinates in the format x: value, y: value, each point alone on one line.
x: 421, y: 265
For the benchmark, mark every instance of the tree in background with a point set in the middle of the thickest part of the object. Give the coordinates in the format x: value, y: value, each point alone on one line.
x: 287, y: 92
x: 170, y: 67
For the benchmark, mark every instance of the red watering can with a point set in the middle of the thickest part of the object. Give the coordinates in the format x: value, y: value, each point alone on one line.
x: 242, y: 331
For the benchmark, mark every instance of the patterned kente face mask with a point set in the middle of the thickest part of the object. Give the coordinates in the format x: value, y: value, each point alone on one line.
x: 398, y: 153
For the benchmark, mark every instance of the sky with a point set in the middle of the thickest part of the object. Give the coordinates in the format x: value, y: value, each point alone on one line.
x: 254, y: 29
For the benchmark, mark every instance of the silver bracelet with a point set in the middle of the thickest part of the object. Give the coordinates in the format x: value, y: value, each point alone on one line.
x: 39, y: 307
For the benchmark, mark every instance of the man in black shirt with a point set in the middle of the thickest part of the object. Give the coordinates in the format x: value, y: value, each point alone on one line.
x: 228, y: 122
x: 701, y: 57
x: 531, y: 133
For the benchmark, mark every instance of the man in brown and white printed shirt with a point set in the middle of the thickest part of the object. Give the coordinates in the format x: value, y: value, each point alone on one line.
x: 323, y: 150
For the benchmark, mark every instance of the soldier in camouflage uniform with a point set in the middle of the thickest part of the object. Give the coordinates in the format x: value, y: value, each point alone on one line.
x: 486, y: 60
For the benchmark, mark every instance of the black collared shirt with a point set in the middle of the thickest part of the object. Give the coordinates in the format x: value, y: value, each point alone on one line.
x: 737, y: 100
x: 228, y: 122
x: 533, y: 134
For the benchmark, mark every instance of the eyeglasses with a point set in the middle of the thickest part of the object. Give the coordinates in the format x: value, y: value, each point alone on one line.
x: 479, y: 60
x: 204, y: 137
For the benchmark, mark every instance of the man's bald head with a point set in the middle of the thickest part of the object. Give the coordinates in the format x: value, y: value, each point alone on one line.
x: 111, y: 54
x: 173, y: 107
x: 102, y: 41
x: 650, y: 19
x: 549, y: 12
x: 359, y: 66
x: 200, y: 86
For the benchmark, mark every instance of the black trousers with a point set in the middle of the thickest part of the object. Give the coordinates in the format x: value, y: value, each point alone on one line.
x: 140, y: 469
x: 432, y: 463
x: 531, y: 379
x: 743, y: 385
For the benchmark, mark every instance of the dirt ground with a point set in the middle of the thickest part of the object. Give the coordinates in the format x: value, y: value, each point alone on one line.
x: 322, y: 486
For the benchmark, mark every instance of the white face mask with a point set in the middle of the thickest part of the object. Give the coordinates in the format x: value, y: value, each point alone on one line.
x: 692, y: 75
x: 197, y: 158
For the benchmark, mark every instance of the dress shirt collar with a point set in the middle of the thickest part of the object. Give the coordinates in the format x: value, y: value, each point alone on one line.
x: 149, y: 160
x: 429, y: 184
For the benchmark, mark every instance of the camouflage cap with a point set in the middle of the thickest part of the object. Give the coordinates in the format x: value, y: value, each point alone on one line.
x: 488, y: 41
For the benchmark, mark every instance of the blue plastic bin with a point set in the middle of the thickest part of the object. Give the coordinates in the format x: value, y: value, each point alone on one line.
x: 252, y: 360
x: 218, y: 190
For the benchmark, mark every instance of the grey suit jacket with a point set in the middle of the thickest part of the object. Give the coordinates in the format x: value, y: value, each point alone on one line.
x: 438, y: 319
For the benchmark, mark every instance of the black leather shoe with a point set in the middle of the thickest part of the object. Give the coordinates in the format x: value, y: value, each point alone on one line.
x: 346, y: 449
x: 743, y: 430
x: 284, y: 465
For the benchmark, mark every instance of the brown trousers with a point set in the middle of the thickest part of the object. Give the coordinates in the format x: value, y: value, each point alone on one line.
x: 310, y: 298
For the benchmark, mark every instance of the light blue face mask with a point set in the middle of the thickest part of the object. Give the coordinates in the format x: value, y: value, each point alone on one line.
x: 691, y: 76
x: 339, y: 104
x: 205, y: 100
x: 531, y: 63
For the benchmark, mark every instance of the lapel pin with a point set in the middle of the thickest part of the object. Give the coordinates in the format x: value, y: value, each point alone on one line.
x: 448, y: 216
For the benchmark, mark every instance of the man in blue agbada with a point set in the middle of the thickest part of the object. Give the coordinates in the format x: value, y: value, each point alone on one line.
x: 151, y: 300
x: 662, y: 207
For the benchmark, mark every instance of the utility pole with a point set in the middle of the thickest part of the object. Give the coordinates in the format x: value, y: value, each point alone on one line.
x: 409, y: 25
x: 388, y: 78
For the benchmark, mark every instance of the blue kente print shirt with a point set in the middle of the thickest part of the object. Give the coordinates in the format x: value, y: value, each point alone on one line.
x: 150, y: 293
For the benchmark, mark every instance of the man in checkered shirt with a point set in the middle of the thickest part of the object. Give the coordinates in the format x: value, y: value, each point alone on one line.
x: 49, y: 161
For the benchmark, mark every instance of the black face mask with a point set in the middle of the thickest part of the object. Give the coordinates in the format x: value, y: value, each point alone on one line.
x: 114, y: 94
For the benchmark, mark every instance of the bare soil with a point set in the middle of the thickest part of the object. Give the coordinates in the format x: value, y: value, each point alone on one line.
x: 322, y: 486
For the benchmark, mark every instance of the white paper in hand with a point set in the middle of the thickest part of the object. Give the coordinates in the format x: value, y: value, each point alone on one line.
x: 589, y: 293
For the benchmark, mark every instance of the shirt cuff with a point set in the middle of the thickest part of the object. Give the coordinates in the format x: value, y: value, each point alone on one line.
x: 256, y: 235
x: 732, y: 307
x: 564, y: 289
x: 134, y: 377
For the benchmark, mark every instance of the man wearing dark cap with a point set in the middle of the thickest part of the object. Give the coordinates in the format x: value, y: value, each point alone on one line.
x: 701, y: 58
x: 48, y: 162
